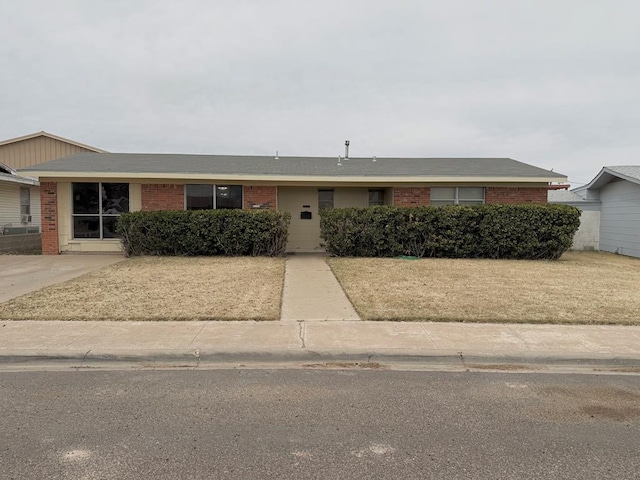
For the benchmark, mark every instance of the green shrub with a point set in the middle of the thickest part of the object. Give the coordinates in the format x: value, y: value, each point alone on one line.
x: 527, y: 231
x: 204, y: 232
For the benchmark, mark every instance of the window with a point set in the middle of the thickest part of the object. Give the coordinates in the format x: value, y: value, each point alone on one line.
x: 376, y: 197
x: 96, y: 207
x: 25, y: 204
x: 209, y: 197
x: 457, y: 195
x: 325, y: 199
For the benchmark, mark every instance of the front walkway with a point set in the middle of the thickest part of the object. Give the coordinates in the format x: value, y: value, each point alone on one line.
x: 311, y: 291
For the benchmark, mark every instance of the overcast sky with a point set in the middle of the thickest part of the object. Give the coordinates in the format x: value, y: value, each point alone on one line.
x: 551, y: 83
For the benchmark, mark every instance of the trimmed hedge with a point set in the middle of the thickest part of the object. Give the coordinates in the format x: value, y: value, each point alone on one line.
x: 204, y: 232
x: 525, y: 231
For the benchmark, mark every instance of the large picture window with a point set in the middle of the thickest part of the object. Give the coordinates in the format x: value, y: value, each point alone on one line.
x: 457, y: 195
x: 209, y: 197
x: 96, y: 207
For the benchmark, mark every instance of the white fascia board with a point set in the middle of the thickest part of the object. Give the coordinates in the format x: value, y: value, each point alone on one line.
x: 21, y: 180
x: 292, y: 178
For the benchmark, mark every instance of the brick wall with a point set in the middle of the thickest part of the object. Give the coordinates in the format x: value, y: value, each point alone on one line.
x: 411, y: 196
x: 516, y: 195
x: 263, y: 197
x: 162, y: 196
x: 49, y: 206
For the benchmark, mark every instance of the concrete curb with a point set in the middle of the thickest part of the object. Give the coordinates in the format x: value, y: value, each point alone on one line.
x: 298, y: 358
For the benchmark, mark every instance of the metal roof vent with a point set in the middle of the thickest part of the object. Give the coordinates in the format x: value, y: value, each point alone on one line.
x: 346, y: 149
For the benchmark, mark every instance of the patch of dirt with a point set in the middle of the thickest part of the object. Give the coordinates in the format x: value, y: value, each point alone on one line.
x: 347, y: 365
x: 501, y: 367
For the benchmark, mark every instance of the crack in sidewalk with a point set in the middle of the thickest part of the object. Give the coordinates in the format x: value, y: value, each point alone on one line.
x: 301, y: 333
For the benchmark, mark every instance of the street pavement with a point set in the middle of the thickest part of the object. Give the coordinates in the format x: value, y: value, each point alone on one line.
x: 318, y: 326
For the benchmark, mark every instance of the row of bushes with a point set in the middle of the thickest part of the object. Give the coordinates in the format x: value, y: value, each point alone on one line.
x: 204, y: 232
x: 531, y: 231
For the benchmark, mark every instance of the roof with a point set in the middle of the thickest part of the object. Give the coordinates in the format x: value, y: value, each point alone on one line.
x: 8, y: 174
x: 607, y: 174
x: 50, y: 135
x: 563, y: 196
x: 293, y: 168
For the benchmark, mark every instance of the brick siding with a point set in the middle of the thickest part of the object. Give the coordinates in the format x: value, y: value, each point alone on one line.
x: 262, y: 197
x: 411, y: 196
x: 162, y: 196
x: 516, y: 195
x: 49, y: 205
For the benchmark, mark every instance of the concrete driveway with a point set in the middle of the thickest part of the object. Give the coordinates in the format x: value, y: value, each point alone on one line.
x: 20, y: 274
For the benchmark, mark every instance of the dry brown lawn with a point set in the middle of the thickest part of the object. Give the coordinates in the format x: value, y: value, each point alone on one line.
x: 581, y: 287
x: 162, y: 288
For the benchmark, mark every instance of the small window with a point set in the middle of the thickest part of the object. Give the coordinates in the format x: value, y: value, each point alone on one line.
x: 325, y: 199
x: 209, y: 197
x: 376, y: 197
x: 25, y: 201
x: 457, y: 195
x: 229, y: 196
x: 96, y: 207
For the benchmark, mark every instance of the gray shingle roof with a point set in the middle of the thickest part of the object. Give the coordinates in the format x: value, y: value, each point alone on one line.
x: 141, y: 163
x: 563, y: 196
x: 631, y: 171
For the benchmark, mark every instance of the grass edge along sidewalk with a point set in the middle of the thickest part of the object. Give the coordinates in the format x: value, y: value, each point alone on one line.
x: 580, y: 288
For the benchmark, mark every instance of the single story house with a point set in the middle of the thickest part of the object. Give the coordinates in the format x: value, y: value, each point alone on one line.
x: 83, y: 195
x: 20, y: 196
x: 612, y: 201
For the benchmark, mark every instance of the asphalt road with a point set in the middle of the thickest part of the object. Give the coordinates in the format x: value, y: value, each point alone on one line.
x: 298, y: 424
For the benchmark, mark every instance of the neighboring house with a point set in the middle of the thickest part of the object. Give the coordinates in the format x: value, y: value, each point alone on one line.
x: 588, y: 235
x: 617, y: 189
x: 83, y: 195
x: 19, y: 203
x: 20, y: 196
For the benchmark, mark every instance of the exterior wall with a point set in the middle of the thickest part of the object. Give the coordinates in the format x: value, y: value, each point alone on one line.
x: 620, y: 218
x: 260, y: 197
x: 29, y: 243
x: 33, y: 151
x: 411, y: 196
x: 10, y: 205
x: 49, y: 203
x: 588, y: 235
x: 162, y: 196
x: 515, y: 195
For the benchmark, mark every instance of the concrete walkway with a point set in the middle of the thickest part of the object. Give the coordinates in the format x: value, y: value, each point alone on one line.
x: 21, y: 274
x: 311, y: 291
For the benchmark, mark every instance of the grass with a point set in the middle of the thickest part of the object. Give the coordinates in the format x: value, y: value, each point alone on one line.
x: 581, y: 287
x: 161, y: 288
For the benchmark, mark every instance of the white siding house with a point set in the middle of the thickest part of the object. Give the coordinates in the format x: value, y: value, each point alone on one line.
x: 19, y: 203
x: 615, y: 192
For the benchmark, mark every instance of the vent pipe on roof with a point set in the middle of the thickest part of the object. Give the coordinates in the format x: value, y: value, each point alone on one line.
x: 346, y: 149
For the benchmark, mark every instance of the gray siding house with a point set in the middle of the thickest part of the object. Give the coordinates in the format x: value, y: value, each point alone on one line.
x: 613, y: 196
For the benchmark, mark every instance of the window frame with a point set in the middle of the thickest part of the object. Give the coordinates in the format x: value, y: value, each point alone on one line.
x: 456, y: 199
x: 382, y: 200
x: 214, y: 196
x: 25, y: 206
x: 333, y: 199
x: 100, y: 214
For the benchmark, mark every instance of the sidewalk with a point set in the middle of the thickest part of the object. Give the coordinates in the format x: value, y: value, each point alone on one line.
x: 318, y: 326
x: 84, y: 344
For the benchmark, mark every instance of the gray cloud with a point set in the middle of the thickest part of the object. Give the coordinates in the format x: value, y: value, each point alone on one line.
x: 549, y: 83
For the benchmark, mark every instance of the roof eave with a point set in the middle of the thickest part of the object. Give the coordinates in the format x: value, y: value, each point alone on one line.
x: 296, y: 178
x: 20, y: 180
